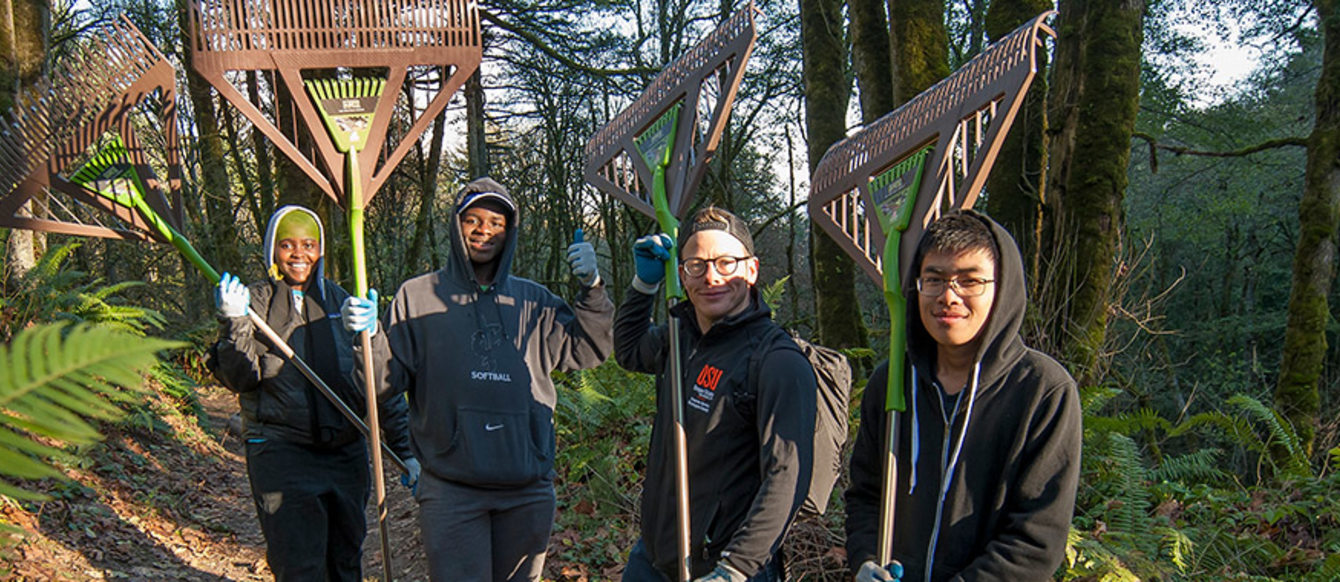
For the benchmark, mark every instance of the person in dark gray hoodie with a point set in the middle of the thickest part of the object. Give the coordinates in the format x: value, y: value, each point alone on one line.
x: 473, y: 345
x: 989, y: 449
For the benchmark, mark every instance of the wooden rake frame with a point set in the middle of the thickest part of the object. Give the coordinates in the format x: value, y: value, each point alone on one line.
x: 290, y: 36
x: 101, y: 89
x: 965, y: 116
x: 725, y: 51
x: 871, y: 195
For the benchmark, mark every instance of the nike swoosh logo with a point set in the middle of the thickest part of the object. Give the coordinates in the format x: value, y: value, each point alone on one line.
x: 492, y: 427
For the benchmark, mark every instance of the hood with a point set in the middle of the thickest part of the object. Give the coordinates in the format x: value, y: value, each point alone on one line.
x: 319, y: 273
x: 1002, y: 345
x: 458, y: 266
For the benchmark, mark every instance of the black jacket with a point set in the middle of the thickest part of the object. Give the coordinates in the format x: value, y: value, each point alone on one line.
x: 1011, y: 492
x: 749, y: 456
x: 277, y: 401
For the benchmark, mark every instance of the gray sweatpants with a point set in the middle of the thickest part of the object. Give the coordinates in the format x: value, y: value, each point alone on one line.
x: 484, y: 535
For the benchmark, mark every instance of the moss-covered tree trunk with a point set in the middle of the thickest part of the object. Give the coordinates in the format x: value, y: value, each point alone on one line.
x: 920, y: 46
x: 23, y: 25
x: 1314, y: 263
x: 870, y: 57
x: 1015, y: 187
x: 1097, y: 92
x: 827, y: 90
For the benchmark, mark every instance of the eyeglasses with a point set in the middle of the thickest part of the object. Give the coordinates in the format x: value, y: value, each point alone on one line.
x: 934, y: 286
x: 723, y: 265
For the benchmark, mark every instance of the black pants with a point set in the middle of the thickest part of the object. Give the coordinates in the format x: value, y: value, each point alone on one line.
x: 310, y: 503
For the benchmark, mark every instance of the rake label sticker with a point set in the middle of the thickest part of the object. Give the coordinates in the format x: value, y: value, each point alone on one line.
x: 350, y: 106
x: 891, y: 189
x: 656, y: 141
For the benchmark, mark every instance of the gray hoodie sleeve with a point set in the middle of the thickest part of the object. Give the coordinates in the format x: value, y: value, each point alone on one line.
x: 581, y: 336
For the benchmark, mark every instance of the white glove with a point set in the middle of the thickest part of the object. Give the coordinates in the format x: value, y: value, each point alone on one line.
x: 358, y: 314
x: 871, y: 572
x: 582, y: 261
x: 723, y: 573
x: 231, y: 297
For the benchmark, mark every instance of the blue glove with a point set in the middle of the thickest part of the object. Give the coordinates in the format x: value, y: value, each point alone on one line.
x: 582, y: 260
x: 411, y: 478
x: 723, y: 573
x: 650, y: 254
x: 231, y: 297
x: 359, y: 314
x: 871, y: 572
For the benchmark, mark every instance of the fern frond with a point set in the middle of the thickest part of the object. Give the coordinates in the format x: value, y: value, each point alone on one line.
x: 1200, y: 466
x: 52, y: 377
x: 1176, y: 545
x: 1327, y: 571
x: 1093, y: 398
x: 1294, y: 464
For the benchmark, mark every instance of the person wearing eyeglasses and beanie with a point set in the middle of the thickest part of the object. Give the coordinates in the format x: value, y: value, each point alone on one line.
x: 988, y: 451
x: 750, y: 452
x: 307, y: 464
x: 474, y: 345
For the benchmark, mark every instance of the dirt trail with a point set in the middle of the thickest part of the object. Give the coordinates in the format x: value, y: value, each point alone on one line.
x: 171, y: 502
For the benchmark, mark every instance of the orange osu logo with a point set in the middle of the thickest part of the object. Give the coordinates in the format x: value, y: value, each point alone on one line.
x: 709, y: 377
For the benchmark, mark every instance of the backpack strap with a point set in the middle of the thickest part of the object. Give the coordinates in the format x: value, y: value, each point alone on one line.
x: 760, y: 347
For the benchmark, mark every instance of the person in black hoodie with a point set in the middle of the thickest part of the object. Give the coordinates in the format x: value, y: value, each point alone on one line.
x: 989, y: 449
x: 474, y: 345
x: 750, y: 453
x: 308, y: 466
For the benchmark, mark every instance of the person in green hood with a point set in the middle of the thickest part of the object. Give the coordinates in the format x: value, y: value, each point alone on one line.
x: 307, y: 464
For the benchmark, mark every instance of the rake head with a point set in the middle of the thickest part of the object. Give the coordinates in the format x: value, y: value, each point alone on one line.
x: 114, y: 79
x: 439, y: 39
x: 955, y: 128
x: 616, y: 157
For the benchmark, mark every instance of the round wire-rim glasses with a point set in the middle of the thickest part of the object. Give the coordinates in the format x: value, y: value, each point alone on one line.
x: 724, y: 265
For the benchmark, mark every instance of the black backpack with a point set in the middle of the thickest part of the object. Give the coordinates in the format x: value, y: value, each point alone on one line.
x: 832, y: 373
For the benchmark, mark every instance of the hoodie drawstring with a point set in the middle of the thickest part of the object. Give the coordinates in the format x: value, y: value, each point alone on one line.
x: 948, y: 477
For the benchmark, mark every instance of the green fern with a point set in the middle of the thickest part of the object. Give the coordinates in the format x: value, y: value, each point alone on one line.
x: 50, y: 292
x: 53, y: 377
x: 1196, y: 467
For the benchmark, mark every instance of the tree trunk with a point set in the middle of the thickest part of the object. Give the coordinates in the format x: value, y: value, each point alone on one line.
x: 475, y: 140
x: 920, y: 46
x: 423, y: 221
x: 1015, y: 187
x: 870, y: 57
x: 220, y: 222
x: 23, y: 25
x: 1097, y: 93
x: 1297, y: 394
x: 826, y: 95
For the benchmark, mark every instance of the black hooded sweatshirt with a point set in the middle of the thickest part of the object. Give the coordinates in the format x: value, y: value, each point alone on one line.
x: 277, y: 401
x: 1010, y: 454
x: 749, y: 454
x: 476, y: 362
